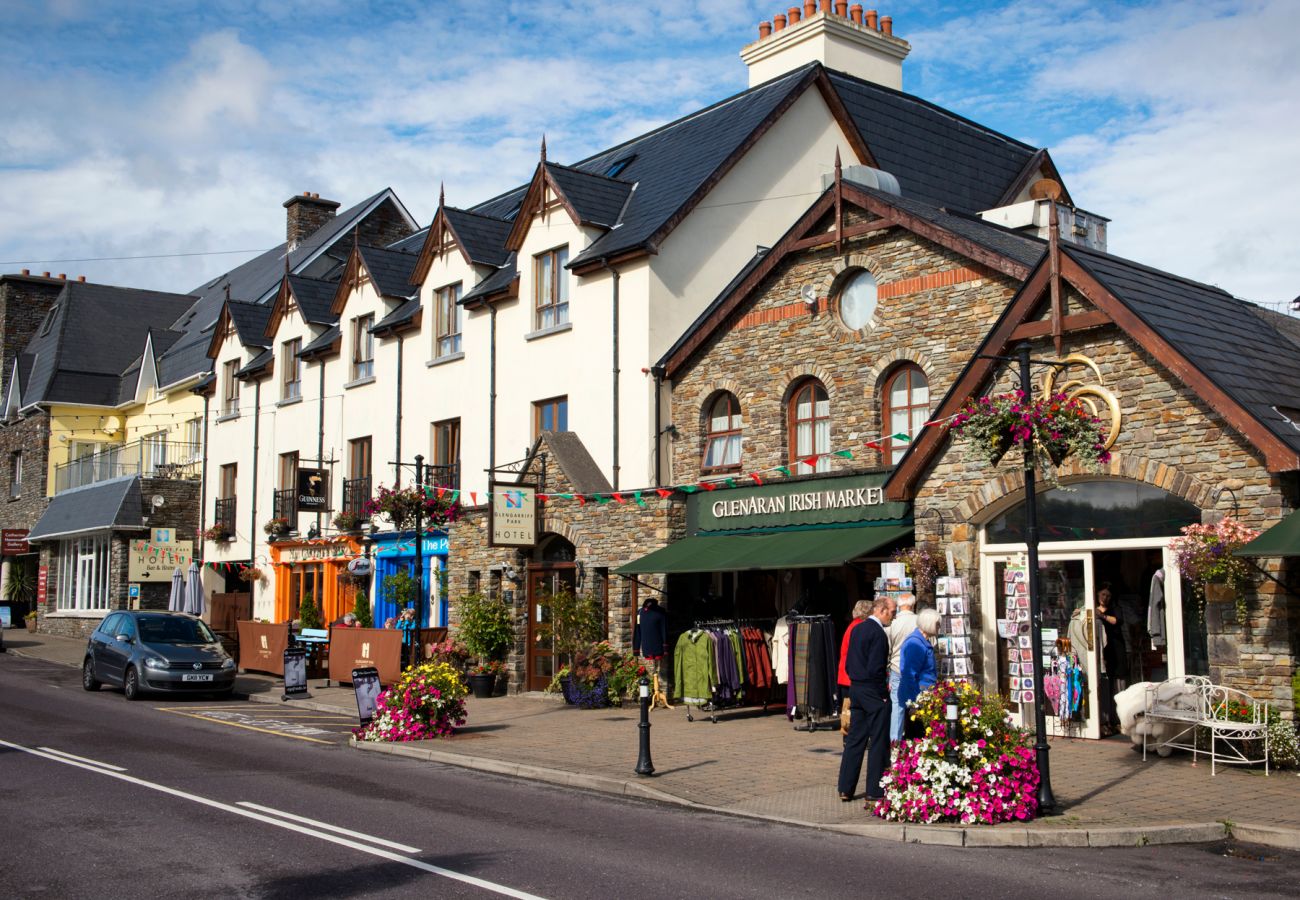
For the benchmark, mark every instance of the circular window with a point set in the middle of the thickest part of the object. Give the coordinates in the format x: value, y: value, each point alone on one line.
x: 858, y: 300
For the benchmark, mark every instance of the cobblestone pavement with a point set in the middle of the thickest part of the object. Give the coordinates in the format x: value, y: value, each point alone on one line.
x: 759, y: 764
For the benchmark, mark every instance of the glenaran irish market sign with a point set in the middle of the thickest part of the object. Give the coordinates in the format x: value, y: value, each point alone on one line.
x: 802, y: 503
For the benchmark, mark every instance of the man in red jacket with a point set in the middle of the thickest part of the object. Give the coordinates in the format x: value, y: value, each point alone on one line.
x: 861, y: 610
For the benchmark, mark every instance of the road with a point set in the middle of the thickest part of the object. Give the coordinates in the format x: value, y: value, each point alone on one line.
x: 195, y: 806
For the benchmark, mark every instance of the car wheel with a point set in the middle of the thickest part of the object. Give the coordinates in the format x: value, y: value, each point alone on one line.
x: 131, y: 683
x: 88, y: 679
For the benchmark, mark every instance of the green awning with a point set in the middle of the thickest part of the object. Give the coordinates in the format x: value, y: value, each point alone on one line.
x: 1283, y: 539
x: 812, y: 549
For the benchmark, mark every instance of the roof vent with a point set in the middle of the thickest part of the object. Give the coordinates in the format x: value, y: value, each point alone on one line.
x: 877, y: 179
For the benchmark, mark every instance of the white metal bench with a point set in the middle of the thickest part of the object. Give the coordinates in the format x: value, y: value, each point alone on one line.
x: 1191, y: 702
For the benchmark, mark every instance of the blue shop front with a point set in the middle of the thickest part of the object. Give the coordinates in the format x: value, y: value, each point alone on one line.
x: 395, y: 552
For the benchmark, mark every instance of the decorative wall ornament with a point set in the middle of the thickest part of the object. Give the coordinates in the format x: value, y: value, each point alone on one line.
x: 1088, y: 394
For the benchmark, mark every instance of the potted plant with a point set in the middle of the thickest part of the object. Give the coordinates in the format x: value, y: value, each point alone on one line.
x: 309, y: 614
x: 250, y: 574
x: 1204, y: 556
x: 361, y: 609
x: 400, y: 505
x: 922, y: 565
x: 20, y: 587
x: 30, y: 621
x: 401, y: 588
x: 349, y: 520
x: 600, y: 676
x: 575, y: 622
x: 451, y: 652
x: 217, y: 532
x: 276, y: 527
x: 1052, y: 428
x: 483, y: 678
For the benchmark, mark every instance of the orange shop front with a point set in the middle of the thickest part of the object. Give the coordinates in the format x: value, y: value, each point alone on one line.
x: 318, y: 568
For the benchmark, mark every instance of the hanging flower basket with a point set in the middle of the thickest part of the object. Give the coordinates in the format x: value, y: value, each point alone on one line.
x: 400, y: 506
x: 1204, y: 556
x: 1052, y: 429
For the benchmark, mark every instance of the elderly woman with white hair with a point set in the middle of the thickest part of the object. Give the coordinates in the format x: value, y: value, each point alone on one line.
x: 917, y: 668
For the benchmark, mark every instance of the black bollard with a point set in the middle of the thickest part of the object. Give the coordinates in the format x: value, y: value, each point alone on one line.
x: 643, y: 764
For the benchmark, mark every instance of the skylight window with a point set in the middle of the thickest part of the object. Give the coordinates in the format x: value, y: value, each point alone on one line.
x: 618, y: 166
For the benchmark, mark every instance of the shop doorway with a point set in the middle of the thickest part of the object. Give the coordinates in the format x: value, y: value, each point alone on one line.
x: 552, y: 571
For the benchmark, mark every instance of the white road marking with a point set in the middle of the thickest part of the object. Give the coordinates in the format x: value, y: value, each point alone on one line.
x: 93, y: 762
x: 289, y: 826
x: 334, y: 828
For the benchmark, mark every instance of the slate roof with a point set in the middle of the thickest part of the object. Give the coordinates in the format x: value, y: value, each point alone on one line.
x: 400, y: 316
x: 497, y: 281
x: 106, y: 504
x: 257, y: 364
x: 391, y: 271
x: 937, y: 156
x: 322, y: 343
x: 570, y: 453
x: 250, y: 322
x: 91, y: 335
x: 314, y: 296
x: 597, y: 199
x: 483, y: 237
x: 1218, y: 334
x: 186, y: 357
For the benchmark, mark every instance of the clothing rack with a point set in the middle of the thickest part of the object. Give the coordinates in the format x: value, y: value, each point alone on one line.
x: 805, y: 711
x: 748, y: 688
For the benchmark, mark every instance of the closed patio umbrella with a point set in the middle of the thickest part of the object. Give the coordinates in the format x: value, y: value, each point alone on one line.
x: 194, y: 599
x: 176, y: 602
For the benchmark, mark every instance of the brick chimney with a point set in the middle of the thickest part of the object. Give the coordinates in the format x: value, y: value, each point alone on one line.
x: 838, y: 36
x: 307, y: 213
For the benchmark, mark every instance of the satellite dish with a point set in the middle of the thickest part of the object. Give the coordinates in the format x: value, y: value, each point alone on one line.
x: 809, y: 294
x: 158, y: 501
x: 1046, y: 189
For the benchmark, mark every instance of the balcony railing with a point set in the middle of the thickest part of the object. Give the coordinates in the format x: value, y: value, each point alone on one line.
x: 285, y: 505
x: 445, y: 476
x: 148, y: 457
x: 356, y: 491
x: 225, y: 514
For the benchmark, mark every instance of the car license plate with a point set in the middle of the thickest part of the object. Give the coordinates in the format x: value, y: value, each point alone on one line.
x: 189, y: 676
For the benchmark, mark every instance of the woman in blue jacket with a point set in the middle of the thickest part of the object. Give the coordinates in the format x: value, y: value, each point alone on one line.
x: 916, y: 666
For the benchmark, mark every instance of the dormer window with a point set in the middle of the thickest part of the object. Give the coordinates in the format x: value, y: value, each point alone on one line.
x: 363, y: 347
x: 618, y: 166
x: 230, y: 386
x: 551, y: 288
x: 446, y: 304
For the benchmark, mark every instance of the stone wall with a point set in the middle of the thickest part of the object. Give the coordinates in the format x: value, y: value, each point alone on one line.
x: 1170, y: 439
x: 24, y: 301
x: 777, y: 339
x: 31, y: 436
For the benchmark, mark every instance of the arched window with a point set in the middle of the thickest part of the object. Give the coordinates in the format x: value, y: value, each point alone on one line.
x: 722, y: 434
x: 906, y: 409
x: 810, y: 427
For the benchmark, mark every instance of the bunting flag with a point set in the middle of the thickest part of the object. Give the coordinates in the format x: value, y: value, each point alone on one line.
x: 636, y: 495
x: 730, y: 482
x: 620, y: 498
x: 784, y: 470
x: 811, y: 462
x: 582, y: 501
x: 663, y: 493
x: 688, y: 488
x: 902, y: 436
x: 473, y: 497
x: 843, y: 454
x: 708, y: 485
x: 754, y: 475
x: 875, y: 445
x: 601, y: 499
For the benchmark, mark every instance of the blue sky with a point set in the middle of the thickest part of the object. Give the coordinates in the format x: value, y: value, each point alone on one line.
x: 180, y: 127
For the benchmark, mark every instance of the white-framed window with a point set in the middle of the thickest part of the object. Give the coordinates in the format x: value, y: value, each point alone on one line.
x: 153, y: 452
x: 363, y: 347
x: 83, y: 573
x: 446, y: 305
x: 194, y: 439
x: 15, y: 474
x: 291, y: 369
x: 551, y: 288
x: 230, y: 385
x: 723, y: 424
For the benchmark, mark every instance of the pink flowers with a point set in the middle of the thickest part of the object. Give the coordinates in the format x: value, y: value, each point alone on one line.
x: 427, y: 701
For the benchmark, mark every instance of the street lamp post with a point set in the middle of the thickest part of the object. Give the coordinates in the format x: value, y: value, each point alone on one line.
x: 1046, y: 800
x: 419, y: 557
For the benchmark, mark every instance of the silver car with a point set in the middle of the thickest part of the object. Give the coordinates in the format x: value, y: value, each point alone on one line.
x: 156, y: 651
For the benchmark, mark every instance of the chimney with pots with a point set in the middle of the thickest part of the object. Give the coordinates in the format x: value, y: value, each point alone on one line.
x: 835, y: 34
x: 307, y: 213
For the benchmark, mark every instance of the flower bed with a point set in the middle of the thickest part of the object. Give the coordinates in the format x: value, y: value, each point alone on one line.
x: 994, y: 777
x: 428, y: 701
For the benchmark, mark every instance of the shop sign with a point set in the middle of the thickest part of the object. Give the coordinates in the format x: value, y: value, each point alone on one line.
x: 13, y: 542
x: 430, y: 546
x: 314, y: 552
x: 150, y: 561
x: 295, y: 672
x: 846, y: 500
x: 42, y: 584
x: 361, y: 566
x: 365, y: 682
x: 313, y: 490
x: 512, y: 518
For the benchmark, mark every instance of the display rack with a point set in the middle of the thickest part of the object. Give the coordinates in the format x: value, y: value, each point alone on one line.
x: 954, y: 643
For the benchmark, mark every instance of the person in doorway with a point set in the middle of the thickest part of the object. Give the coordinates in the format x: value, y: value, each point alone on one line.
x: 917, y: 667
x: 868, y: 671
x: 903, y: 625
x: 408, y: 626
x: 861, y: 610
x: 1114, y: 658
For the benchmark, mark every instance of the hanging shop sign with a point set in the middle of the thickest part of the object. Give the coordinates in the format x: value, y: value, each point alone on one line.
x: 13, y: 542
x: 848, y: 500
x: 361, y: 566
x: 512, y: 517
x: 313, y: 490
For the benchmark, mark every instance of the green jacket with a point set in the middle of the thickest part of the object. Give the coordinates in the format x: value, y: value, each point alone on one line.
x: 695, y: 671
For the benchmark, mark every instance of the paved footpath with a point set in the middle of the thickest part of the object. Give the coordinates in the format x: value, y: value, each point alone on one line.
x: 759, y: 766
